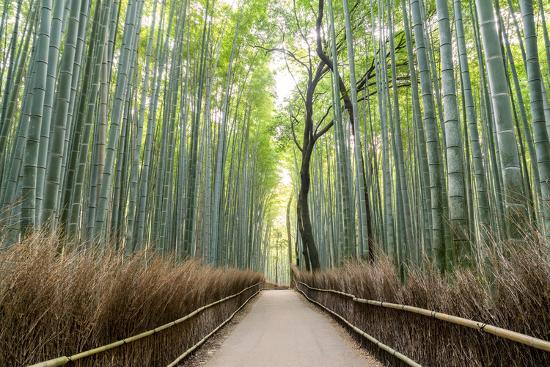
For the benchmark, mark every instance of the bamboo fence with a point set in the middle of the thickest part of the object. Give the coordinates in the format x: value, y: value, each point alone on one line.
x: 63, y: 360
x: 478, y: 325
x: 403, y: 358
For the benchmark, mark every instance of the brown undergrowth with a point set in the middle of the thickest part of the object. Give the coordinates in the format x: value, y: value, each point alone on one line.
x: 514, y: 294
x: 54, y: 304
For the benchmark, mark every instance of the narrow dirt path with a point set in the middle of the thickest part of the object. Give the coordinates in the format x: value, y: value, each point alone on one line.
x: 282, y: 329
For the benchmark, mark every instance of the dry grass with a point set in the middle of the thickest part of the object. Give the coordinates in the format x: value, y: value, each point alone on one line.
x: 514, y: 294
x: 53, y: 305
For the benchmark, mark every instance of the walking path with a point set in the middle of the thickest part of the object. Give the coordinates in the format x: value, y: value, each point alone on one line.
x: 283, y: 329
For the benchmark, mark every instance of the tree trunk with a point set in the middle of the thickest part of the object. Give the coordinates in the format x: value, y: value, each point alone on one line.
x: 311, y: 254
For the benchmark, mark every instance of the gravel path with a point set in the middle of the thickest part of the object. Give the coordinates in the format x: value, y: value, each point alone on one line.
x: 282, y: 329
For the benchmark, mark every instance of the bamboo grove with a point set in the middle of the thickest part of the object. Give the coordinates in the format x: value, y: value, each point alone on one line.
x: 138, y: 124
x: 418, y: 127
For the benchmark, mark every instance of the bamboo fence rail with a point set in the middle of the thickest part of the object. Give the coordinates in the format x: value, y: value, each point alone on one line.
x: 481, y: 326
x: 63, y: 360
x: 200, y: 342
x: 403, y: 358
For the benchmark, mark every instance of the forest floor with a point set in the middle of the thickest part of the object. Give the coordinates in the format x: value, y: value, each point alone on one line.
x: 282, y: 329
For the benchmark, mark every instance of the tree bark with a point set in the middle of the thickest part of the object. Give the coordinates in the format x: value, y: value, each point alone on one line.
x: 311, y: 254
